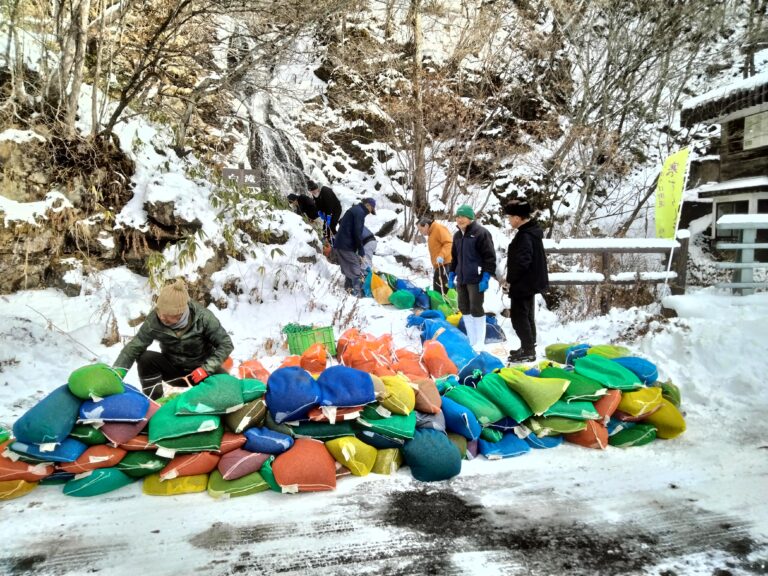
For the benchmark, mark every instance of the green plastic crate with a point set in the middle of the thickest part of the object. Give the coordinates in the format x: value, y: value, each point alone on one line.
x: 298, y: 342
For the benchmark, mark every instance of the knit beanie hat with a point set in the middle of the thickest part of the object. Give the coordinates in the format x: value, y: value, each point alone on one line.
x: 518, y: 208
x: 173, y: 299
x: 466, y: 211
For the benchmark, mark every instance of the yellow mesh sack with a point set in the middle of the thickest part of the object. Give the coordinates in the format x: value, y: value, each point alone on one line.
x: 10, y: 489
x: 668, y: 420
x: 353, y: 453
x: 538, y: 393
x: 640, y: 402
x: 388, y: 461
x: 380, y: 289
x: 400, y: 396
x: 454, y: 319
x: 153, y: 486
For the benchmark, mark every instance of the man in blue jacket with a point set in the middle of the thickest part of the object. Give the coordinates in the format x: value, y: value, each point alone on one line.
x: 526, y: 275
x: 473, y: 263
x: 349, y: 246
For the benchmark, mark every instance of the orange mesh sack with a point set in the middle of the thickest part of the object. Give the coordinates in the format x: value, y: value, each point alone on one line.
x: 99, y: 456
x: 363, y: 356
x: 291, y: 361
x: 314, y: 358
x: 436, y: 360
x: 190, y: 465
x: 595, y: 435
x: 11, y: 470
x: 349, y: 336
x: 380, y: 289
x: 253, y: 369
x: 409, y: 363
x: 428, y: 399
x: 306, y: 467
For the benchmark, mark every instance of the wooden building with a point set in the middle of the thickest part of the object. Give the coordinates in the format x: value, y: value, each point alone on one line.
x: 741, y: 185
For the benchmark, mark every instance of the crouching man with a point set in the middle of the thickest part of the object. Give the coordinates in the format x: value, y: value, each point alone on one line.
x: 193, y: 343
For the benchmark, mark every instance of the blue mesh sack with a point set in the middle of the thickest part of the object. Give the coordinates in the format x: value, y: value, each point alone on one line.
x: 508, y: 447
x: 506, y: 424
x: 434, y: 421
x: 482, y: 364
x: 342, y: 386
x: 493, y: 332
x: 266, y: 441
x: 130, y: 406
x: 50, y: 420
x: 68, y: 450
x: 291, y: 394
x: 432, y: 456
x: 543, y: 442
x: 460, y: 420
x: 642, y: 368
x: 379, y: 441
x: 575, y: 352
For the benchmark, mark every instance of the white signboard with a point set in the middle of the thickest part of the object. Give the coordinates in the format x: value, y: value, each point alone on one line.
x: 756, y: 131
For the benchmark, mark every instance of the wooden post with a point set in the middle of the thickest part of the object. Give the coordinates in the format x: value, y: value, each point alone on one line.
x: 681, y: 266
x: 605, y: 289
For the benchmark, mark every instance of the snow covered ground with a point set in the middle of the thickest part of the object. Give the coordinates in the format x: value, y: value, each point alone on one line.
x: 693, y: 505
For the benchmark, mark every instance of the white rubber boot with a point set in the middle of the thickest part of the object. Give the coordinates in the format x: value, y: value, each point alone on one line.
x: 479, y: 322
x: 469, y: 325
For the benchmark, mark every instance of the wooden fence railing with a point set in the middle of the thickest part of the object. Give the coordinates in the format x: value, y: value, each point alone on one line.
x: 745, y: 265
x: 607, y: 274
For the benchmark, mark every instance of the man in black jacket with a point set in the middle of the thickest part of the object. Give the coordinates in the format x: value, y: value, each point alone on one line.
x: 350, y: 246
x: 303, y: 205
x: 328, y: 207
x: 473, y: 263
x: 526, y: 276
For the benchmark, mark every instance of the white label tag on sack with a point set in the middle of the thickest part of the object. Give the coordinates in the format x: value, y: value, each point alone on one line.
x: 290, y: 489
x: 330, y: 413
x: 383, y: 412
x: 165, y: 452
x: 521, y: 431
x: 48, y: 446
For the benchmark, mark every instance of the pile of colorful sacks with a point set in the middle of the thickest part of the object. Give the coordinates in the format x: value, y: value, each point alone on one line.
x: 306, y: 424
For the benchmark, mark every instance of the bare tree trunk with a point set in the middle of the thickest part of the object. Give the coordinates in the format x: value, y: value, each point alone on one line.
x: 389, y: 20
x: 79, y: 34
x: 420, y: 205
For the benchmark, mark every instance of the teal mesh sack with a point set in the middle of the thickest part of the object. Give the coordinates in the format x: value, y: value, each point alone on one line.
x: 393, y: 426
x: 484, y: 409
x: 50, y: 420
x: 140, y: 463
x: 269, y: 476
x: 432, y: 456
x: 252, y: 389
x: 99, y: 481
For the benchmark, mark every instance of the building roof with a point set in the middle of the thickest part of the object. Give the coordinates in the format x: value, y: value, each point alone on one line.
x: 730, y: 187
x: 737, y: 95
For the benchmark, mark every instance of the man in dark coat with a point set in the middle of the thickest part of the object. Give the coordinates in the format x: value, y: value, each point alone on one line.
x: 303, y: 205
x: 328, y: 207
x: 473, y: 263
x: 193, y: 344
x: 349, y: 245
x: 526, y: 276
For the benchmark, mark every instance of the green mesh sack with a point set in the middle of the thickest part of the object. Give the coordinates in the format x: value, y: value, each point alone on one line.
x: 269, y: 476
x: 249, y: 484
x: 99, y: 481
x: 557, y: 352
x: 573, y: 410
x: 251, y: 414
x: 609, y: 373
x: 446, y: 310
x: 484, y: 410
x: 270, y: 423
x: 460, y: 442
x: 323, y: 430
x: 493, y: 387
x: 390, y: 279
x: 388, y: 461
x: 217, y: 394
x: 95, y: 381
x: 4, y: 435
x: 491, y: 435
x: 140, y: 463
x: 580, y: 388
x: 671, y: 392
x: 198, y: 442
x: 452, y: 299
x: 609, y: 351
x: 167, y: 424
x: 554, y: 425
x: 538, y: 393
x: 253, y: 389
x: 402, y: 299
x: 392, y: 426
x: 88, y: 435
x: 435, y: 299
x: 636, y: 436
x: 354, y: 454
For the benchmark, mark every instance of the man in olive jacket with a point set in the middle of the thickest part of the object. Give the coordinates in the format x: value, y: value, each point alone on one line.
x: 526, y: 275
x: 193, y: 344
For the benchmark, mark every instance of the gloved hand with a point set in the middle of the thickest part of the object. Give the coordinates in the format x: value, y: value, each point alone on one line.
x: 483, y: 285
x: 451, y: 279
x: 440, y: 260
x: 198, y: 375
x: 122, y: 372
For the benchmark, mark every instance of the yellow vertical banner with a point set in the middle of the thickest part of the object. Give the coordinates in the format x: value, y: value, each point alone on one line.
x: 669, y: 193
